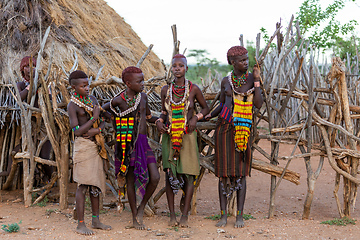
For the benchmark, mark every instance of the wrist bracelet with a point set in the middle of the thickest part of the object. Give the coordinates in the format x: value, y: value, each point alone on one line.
x: 100, y: 129
x: 199, y: 116
x: 93, y: 119
x: 75, y: 128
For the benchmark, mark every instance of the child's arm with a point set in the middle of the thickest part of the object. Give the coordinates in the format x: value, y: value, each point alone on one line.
x: 218, y: 109
x: 258, y: 100
x: 23, y: 92
x: 163, y: 116
x: 204, y: 109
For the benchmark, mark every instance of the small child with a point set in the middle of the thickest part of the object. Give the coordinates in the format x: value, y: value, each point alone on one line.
x: 134, y: 158
x: 240, y: 90
x: 180, y: 153
x: 88, y: 172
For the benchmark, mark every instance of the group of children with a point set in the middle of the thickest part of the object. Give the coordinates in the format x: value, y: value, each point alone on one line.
x: 134, y: 160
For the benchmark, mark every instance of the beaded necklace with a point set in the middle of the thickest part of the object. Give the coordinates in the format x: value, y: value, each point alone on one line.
x: 184, y: 96
x: 129, y: 102
x: 124, y: 133
x: 178, y: 91
x: 233, y: 88
x: 238, y: 81
x: 127, y: 111
x: 84, y: 102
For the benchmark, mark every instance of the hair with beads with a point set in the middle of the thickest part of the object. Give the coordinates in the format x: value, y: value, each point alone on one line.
x: 26, y: 62
x: 129, y: 70
x: 76, y: 75
x: 235, y: 51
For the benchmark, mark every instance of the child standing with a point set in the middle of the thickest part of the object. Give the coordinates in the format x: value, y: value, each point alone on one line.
x: 239, y: 92
x: 177, y: 122
x: 88, y: 172
x: 134, y: 158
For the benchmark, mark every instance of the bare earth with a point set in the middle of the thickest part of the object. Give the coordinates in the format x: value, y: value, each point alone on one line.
x: 50, y: 223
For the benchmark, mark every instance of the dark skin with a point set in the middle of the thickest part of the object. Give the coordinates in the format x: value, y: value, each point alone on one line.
x: 179, y: 68
x: 135, y: 84
x: 78, y: 117
x: 240, y: 64
x: 46, y: 148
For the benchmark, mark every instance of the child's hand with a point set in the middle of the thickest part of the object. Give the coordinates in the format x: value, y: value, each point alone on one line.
x: 192, y: 124
x: 92, y: 132
x: 161, y: 127
x: 256, y: 72
x: 207, y: 117
x: 96, y: 112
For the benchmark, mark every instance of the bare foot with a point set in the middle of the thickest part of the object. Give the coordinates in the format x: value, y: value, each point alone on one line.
x: 183, y: 223
x: 222, y: 222
x: 82, y: 229
x: 96, y: 224
x: 239, y: 222
x: 139, y: 216
x: 172, y: 222
x: 137, y: 225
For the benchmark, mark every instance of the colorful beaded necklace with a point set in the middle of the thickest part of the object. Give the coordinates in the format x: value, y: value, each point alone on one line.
x: 124, y: 133
x: 178, y: 91
x: 184, y: 96
x: 129, y: 102
x: 84, y: 102
x: 129, y: 110
x: 238, y: 81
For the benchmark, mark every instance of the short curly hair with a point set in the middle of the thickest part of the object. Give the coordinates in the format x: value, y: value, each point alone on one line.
x: 235, y: 51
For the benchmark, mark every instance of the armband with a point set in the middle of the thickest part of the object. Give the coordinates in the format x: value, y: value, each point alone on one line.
x: 256, y: 84
x: 75, y: 128
x: 199, y: 116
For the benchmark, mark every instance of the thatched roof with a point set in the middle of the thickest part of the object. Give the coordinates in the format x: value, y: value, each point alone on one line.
x: 89, y: 28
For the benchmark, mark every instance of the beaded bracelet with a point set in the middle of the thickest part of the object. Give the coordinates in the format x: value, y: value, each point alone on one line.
x: 100, y: 129
x: 101, y: 119
x: 93, y: 119
x: 75, y: 128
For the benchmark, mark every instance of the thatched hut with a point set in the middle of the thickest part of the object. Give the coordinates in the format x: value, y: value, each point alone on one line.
x: 84, y: 34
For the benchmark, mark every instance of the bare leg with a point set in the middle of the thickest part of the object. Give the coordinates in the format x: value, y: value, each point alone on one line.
x: 223, y: 204
x: 170, y: 200
x: 154, y: 178
x: 95, y: 214
x: 240, y: 194
x: 80, y: 208
x: 189, y: 191
x: 130, y: 181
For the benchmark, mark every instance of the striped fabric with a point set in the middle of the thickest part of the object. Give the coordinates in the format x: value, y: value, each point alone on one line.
x: 228, y: 161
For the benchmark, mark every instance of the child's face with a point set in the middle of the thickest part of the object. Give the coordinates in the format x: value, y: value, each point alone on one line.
x: 81, y: 86
x: 136, y: 82
x: 27, y: 72
x: 179, y: 67
x: 241, y: 62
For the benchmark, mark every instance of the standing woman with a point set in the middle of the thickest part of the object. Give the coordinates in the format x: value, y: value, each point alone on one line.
x: 240, y: 91
x: 177, y: 122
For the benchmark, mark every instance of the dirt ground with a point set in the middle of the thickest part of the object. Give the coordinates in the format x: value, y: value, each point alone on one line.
x: 50, y: 223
